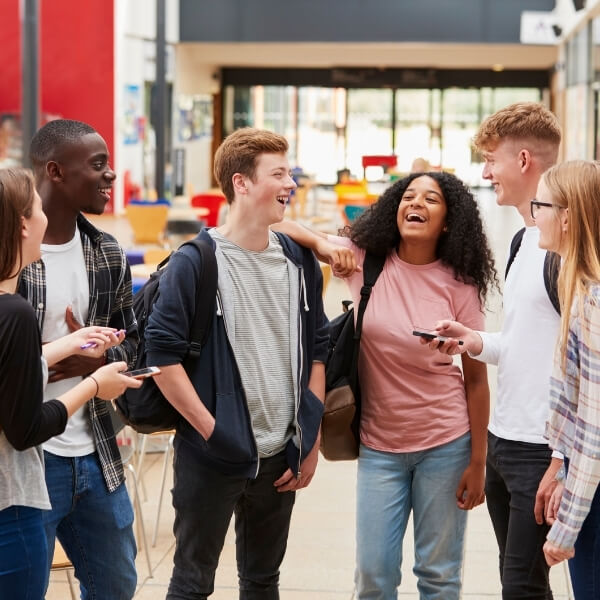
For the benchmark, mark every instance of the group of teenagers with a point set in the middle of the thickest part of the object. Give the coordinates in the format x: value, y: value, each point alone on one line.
x: 252, y: 402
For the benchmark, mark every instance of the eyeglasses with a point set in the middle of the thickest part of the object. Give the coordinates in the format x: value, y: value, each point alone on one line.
x: 535, y: 206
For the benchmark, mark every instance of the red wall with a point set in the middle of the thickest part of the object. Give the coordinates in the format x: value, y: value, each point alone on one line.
x: 76, y: 61
x: 10, y: 40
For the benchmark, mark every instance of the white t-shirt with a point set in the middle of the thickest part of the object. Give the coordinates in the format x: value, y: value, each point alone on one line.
x: 524, y: 349
x: 66, y: 285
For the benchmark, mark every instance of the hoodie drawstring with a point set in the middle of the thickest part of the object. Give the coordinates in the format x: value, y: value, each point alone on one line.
x: 303, y: 285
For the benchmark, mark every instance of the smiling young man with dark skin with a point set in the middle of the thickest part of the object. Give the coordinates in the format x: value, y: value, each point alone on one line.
x: 83, y: 279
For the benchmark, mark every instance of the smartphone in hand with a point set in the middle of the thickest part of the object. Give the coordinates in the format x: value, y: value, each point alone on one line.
x: 430, y: 336
x: 142, y: 373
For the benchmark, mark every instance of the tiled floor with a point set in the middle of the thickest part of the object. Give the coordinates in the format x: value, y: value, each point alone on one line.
x: 319, y: 563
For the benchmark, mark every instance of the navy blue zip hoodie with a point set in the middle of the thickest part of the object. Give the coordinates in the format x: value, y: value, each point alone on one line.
x: 215, y: 375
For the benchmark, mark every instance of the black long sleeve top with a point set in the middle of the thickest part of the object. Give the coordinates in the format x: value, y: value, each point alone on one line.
x: 24, y: 418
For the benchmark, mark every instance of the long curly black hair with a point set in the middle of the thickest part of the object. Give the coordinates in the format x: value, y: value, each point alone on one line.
x: 463, y: 247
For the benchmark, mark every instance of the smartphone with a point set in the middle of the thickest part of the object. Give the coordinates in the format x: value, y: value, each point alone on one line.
x: 143, y: 373
x: 428, y: 335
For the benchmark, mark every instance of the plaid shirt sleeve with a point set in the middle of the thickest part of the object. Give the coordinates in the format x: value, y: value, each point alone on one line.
x: 580, y: 415
x: 110, y: 305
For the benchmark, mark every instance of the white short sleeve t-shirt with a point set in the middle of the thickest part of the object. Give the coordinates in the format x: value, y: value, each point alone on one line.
x: 66, y: 285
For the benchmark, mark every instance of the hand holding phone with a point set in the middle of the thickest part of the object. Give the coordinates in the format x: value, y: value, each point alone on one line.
x: 143, y: 373
x: 430, y: 336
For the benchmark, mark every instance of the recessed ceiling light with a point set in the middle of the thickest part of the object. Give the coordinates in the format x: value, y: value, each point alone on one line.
x: 497, y: 67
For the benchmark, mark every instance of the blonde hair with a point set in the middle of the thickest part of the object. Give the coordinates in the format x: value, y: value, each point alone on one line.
x: 17, y: 191
x: 239, y: 152
x: 574, y: 185
x: 528, y: 122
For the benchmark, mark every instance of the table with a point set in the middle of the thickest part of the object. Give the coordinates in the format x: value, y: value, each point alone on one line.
x: 192, y: 213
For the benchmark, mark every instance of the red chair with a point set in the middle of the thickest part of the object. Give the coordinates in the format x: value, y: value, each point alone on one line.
x: 213, y: 203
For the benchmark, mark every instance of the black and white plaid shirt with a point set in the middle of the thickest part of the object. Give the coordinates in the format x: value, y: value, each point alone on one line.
x: 109, y: 306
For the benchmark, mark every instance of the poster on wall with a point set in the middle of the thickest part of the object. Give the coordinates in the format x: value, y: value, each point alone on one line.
x: 132, y: 111
x: 195, y: 117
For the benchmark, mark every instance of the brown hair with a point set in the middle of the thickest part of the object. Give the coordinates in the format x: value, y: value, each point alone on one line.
x: 574, y: 185
x: 16, y: 200
x: 238, y: 154
x: 524, y: 121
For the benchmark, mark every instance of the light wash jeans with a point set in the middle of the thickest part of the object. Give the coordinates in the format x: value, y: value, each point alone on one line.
x: 389, y: 486
x: 93, y: 525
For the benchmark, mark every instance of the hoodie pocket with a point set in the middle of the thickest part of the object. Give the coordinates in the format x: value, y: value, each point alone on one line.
x: 232, y: 439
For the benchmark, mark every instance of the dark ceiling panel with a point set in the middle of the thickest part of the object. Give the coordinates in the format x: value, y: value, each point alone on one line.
x: 392, y: 78
x: 462, y: 21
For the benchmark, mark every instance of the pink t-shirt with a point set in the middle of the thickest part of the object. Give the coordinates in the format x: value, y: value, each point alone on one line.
x: 413, y: 398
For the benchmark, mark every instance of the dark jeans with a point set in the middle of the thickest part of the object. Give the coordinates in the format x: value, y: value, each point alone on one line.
x: 204, y: 501
x: 23, y: 553
x: 584, y: 566
x: 513, y: 473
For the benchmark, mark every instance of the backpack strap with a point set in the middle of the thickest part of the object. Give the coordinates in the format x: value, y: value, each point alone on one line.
x: 372, y: 267
x: 551, y: 270
x: 515, y: 244
x: 206, y: 293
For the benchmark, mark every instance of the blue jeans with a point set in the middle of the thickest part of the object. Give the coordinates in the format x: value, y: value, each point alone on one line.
x: 389, y: 486
x: 205, y: 500
x: 93, y: 526
x: 23, y: 557
x: 513, y: 473
x: 584, y: 566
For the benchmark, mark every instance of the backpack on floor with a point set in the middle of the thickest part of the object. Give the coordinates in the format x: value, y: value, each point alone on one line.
x: 145, y: 408
x: 341, y: 414
x: 551, y: 268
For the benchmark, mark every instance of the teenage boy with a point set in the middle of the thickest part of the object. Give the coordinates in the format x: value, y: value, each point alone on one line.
x: 518, y: 144
x: 252, y: 403
x: 83, y: 278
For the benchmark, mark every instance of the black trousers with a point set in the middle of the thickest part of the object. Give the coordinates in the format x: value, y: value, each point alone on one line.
x: 204, y: 501
x: 513, y: 473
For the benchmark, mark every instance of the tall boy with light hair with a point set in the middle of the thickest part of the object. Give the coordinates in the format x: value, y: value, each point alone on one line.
x: 518, y: 144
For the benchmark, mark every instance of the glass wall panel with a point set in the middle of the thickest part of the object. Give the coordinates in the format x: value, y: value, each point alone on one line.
x: 460, y: 114
x: 369, y: 128
x: 504, y: 96
x: 320, y: 141
x: 332, y: 128
x: 414, y: 127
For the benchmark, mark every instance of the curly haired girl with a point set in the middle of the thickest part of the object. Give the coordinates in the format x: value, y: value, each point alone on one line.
x: 423, y: 422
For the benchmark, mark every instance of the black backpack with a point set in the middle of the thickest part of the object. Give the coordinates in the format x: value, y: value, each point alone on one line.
x: 551, y: 268
x: 145, y: 408
x: 341, y: 416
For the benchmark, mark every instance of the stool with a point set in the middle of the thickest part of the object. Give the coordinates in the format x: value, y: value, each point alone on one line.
x: 61, y: 562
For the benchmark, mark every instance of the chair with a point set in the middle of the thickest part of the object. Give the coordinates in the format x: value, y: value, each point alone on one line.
x: 154, y: 256
x: 126, y: 456
x: 213, y: 203
x: 61, y: 562
x: 352, y: 211
x: 168, y: 451
x: 148, y: 222
x: 326, y: 271
x: 127, y: 452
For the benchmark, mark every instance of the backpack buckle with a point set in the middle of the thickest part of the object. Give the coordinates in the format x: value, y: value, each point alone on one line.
x: 195, y: 349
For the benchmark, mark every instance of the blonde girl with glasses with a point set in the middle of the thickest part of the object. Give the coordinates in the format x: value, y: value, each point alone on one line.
x: 568, y: 217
